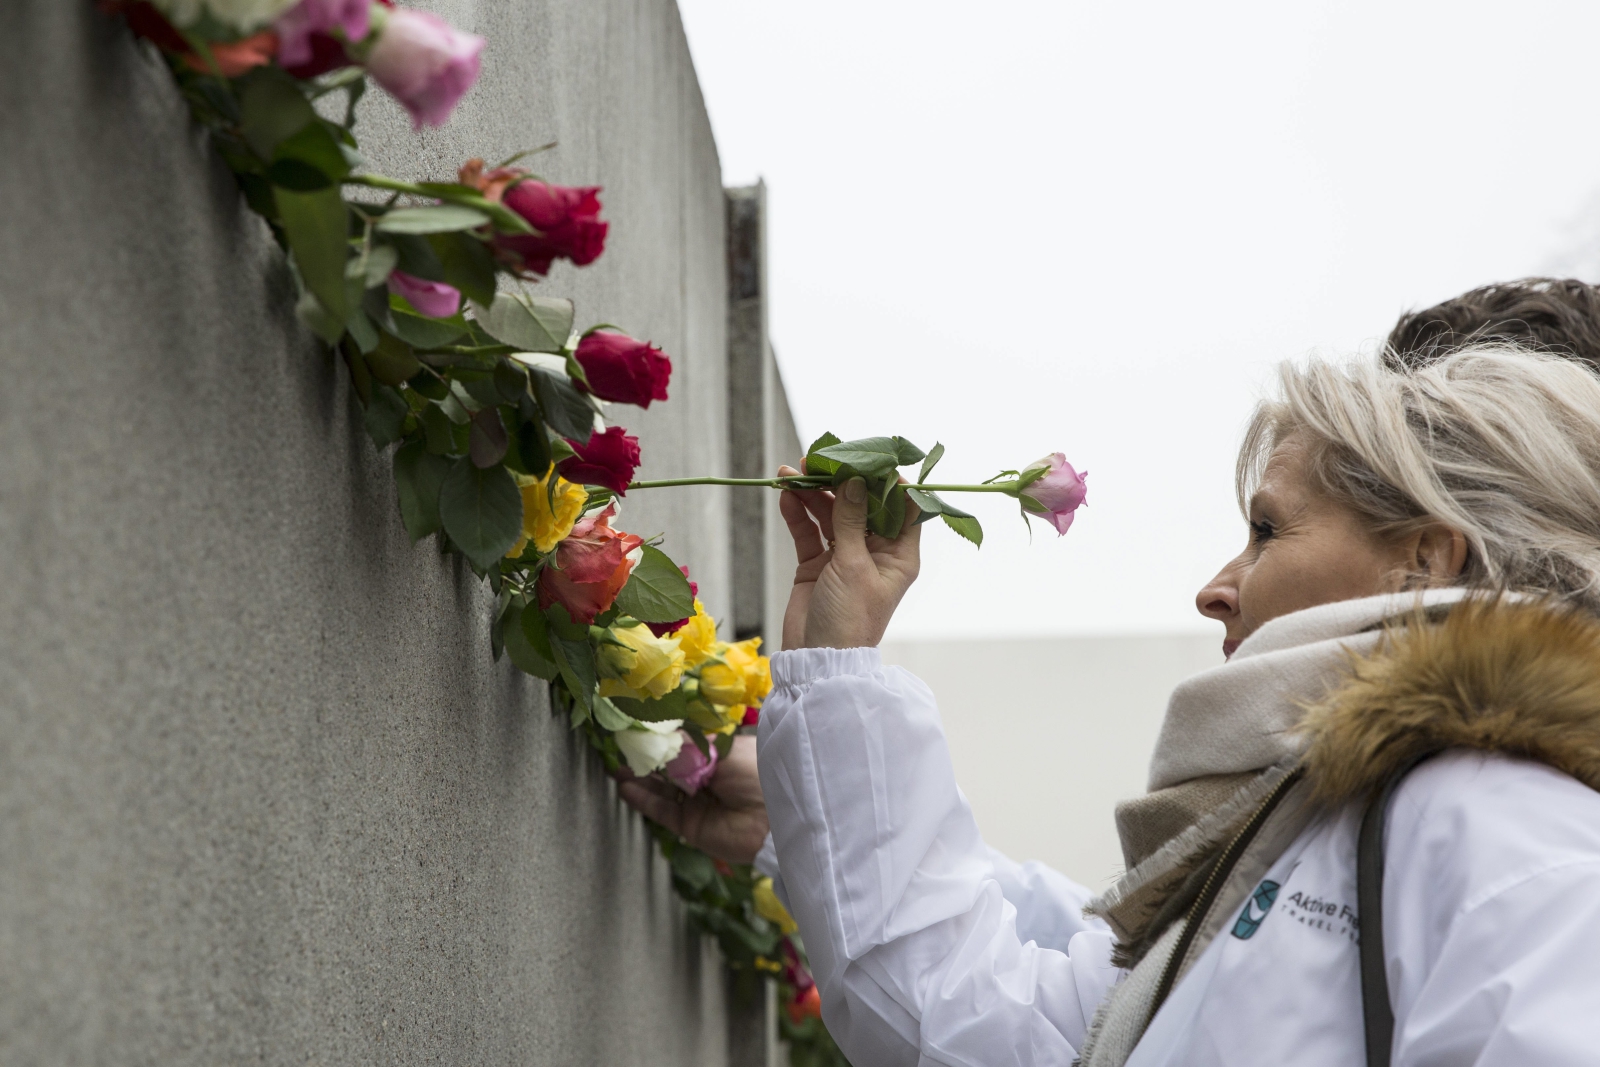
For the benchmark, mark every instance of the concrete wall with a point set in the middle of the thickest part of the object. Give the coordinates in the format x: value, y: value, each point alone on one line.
x: 264, y: 796
x: 1048, y: 734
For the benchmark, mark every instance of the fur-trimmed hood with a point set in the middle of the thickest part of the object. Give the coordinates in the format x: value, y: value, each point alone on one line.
x: 1517, y: 677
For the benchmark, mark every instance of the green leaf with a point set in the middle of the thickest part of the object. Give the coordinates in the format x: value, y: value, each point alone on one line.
x: 693, y: 866
x: 392, y: 362
x: 271, y: 109
x: 537, y: 632
x: 465, y: 195
x: 609, y: 716
x: 466, y: 263
x: 931, y: 462
x: 533, y: 445
x: 521, y: 651
x: 671, y: 706
x: 528, y: 323
x: 657, y: 591
x: 385, y: 416
x: 816, y: 463
x: 907, y: 452
x: 417, y: 256
x: 381, y: 262
x: 425, y: 333
x: 966, y: 526
x: 566, y: 411
x: 309, y: 310
x: 439, y: 218
x: 576, y: 661
x: 874, y: 457
x: 886, y: 511
x: 316, y: 225
x: 487, y: 439
x: 510, y: 380
x: 419, y: 474
x: 440, y: 431
x: 309, y: 155
x: 482, y: 511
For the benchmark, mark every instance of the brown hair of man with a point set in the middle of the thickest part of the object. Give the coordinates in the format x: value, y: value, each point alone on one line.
x: 1556, y: 315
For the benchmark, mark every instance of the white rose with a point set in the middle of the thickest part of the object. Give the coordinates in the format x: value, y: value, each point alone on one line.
x: 242, y: 15
x: 650, y: 746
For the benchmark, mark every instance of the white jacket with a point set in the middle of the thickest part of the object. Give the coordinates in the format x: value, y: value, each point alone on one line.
x: 930, y: 948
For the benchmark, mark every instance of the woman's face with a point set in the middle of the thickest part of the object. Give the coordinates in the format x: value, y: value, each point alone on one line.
x: 1304, y: 550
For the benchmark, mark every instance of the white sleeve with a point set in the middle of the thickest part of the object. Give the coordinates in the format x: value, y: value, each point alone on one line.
x: 1049, y: 904
x: 912, y: 941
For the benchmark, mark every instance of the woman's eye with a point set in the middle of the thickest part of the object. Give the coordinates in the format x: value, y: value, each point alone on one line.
x: 1260, y: 531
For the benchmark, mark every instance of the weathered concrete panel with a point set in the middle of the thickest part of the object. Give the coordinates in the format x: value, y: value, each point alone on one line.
x: 263, y: 795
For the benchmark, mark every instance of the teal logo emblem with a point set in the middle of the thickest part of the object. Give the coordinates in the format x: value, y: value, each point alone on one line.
x: 1255, y: 910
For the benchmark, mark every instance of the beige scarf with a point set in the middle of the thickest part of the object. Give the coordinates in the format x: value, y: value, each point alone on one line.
x: 1228, y: 740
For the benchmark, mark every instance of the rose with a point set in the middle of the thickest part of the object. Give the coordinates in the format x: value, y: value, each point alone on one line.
x: 590, y: 568
x: 540, y: 524
x: 434, y: 299
x: 300, y: 26
x: 607, y: 459
x: 697, y: 636
x: 567, y: 218
x: 241, y: 15
x: 642, y: 665
x: 233, y: 58
x: 649, y: 746
x: 1058, y: 493
x: 622, y: 369
x: 425, y: 63
x: 692, y: 770
x: 742, y: 678
x: 770, y: 908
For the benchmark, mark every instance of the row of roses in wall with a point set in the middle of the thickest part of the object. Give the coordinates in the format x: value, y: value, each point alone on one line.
x: 494, y: 402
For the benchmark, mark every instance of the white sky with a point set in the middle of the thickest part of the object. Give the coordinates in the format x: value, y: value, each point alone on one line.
x: 1032, y: 225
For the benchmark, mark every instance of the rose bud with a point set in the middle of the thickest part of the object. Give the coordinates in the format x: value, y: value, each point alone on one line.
x: 606, y: 459
x: 1059, y: 492
x: 434, y: 299
x: 692, y: 770
x: 306, y: 45
x: 567, y: 218
x: 622, y: 369
x: 425, y: 63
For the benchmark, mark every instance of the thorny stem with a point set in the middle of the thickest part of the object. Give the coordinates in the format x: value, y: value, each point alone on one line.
x: 818, y: 482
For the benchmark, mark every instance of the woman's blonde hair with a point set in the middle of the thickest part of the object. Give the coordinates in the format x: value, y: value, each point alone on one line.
x: 1499, y: 443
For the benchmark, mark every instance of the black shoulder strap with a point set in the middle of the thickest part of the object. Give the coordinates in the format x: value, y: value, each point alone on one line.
x: 1375, y: 1008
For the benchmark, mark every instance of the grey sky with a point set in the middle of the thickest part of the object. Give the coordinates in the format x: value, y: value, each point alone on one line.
x: 1025, y: 226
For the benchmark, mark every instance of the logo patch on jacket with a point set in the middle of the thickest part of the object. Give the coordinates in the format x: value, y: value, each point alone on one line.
x: 1255, y: 910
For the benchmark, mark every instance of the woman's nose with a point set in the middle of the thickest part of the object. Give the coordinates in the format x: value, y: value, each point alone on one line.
x: 1219, y: 599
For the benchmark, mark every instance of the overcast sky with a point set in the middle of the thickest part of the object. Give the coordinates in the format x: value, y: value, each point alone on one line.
x: 1026, y: 226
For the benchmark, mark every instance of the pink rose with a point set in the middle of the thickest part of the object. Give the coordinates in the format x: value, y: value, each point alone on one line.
x: 622, y: 369
x: 692, y: 770
x: 434, y: 299
x: 319, y: 18
x: 607, y: 459
x: 1059, y: 492
x: 427, y: 64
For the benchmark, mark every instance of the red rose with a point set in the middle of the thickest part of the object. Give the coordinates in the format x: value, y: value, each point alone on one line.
x: 590, y: 568
x: 622, y: 369
x: 568, y: 221
x: 606, y: 459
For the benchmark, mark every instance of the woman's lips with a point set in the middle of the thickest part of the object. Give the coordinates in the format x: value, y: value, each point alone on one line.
x: 1229, y: 647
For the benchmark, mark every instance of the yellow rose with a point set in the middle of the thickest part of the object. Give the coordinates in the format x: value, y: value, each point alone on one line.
x: 770, y: 908
x: 544, y: 527
x: 698, y: 636
x: 743, y: 676
x: 648, y: 668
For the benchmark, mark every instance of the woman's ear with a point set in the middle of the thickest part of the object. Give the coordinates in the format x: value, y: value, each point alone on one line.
x: 1440, y: 553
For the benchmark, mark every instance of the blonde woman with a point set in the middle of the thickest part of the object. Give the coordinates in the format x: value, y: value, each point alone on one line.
x: 1422, y: 576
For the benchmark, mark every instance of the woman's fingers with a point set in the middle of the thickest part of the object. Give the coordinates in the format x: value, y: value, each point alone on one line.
x: 817, y: 501
x: 807, y: 537
x: 650, y: 798
x: 850, y: 523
